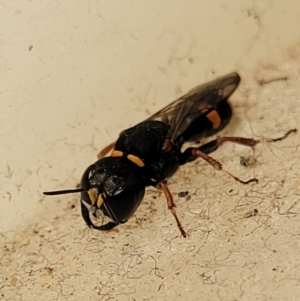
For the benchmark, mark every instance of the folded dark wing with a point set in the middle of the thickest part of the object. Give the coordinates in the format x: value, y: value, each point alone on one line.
x: 201, y: 100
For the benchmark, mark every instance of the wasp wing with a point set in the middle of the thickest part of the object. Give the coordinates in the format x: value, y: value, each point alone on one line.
x: 201, y: 100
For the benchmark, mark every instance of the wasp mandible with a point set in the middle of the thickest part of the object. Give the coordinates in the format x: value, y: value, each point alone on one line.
x: 149, y: 153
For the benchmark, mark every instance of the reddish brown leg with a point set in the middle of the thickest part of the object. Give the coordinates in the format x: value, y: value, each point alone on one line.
x: 238, y: 140
x: 217, y: 165
x: 192, y: 153
x: 213, y: 145
x: 106, y: 150
x: 172, y: 206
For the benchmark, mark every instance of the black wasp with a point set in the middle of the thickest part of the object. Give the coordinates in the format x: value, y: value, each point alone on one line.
x: 149, y: 153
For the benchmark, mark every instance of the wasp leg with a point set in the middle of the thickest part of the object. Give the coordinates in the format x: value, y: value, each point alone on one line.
x: 213, y: 145
x: 172, y: 206
x: 193, y: 153
x: 106, y: 150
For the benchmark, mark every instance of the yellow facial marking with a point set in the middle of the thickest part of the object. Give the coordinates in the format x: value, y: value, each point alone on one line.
x: 117, y: 153
x: 99, y: 201
x: 136, y: 160
x: 92, y: 196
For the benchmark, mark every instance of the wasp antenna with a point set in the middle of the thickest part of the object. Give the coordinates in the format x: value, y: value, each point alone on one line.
x: 57, y: 192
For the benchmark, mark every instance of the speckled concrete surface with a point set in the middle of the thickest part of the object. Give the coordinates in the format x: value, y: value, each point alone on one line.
x: 73, y: 75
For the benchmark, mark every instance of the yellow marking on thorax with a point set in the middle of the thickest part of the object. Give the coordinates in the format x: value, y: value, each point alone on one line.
x: 116, y: 153
x: 134, y: 159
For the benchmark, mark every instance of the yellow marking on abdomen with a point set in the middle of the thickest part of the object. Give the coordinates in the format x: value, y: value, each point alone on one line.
x: 214, y: 117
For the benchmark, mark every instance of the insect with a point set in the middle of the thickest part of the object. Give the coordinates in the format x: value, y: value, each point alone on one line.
x: 149, y: 153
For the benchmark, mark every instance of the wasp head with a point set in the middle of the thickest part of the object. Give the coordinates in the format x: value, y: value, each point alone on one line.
x: 113, y: 188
